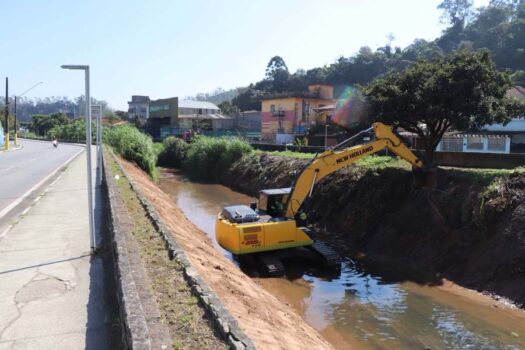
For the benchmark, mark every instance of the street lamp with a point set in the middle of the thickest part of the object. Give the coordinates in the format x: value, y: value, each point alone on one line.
x: 22, y: 94
x: 85, y: 68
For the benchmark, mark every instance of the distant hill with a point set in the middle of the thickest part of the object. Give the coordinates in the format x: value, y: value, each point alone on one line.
x: 27, y: 107
x: 218, y: 96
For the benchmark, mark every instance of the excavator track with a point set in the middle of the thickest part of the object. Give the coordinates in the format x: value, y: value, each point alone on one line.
x: 329, y: 258
x: 270, y: 264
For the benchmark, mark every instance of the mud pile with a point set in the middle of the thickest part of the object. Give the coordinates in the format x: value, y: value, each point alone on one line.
x: 465, y: 231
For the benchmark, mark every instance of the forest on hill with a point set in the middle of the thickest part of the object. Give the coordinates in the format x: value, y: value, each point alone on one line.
x: 498, y: 27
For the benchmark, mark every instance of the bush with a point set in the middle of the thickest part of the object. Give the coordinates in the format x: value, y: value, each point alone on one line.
x: 173, y: 152
x: 134, y: 146
x: 207, y: 158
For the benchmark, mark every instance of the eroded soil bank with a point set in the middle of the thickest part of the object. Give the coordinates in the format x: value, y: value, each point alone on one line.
x: 466, y: 230
x: 269, y: 322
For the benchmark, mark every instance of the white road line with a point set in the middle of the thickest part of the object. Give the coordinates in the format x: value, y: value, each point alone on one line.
x: 6, y: 231
x: 20, y: 199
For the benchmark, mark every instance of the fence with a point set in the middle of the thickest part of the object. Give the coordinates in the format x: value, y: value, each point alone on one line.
x: 475, y: 144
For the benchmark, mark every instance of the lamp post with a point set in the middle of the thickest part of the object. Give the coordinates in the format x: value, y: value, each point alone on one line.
x: 6, y: 112
x: 22, y: 94
x: 85, y: 68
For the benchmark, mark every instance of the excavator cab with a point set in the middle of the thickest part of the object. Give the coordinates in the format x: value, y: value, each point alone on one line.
x: 271, y: 201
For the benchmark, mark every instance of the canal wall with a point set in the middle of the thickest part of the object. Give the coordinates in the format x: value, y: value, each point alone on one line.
x: 134, y: 314
x: 468, y: 230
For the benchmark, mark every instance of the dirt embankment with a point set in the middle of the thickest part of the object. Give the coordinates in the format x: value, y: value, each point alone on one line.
x: 270, y: 323
x: 463, y: 231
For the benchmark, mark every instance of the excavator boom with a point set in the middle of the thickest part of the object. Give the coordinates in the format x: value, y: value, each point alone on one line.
x: 334, y: 159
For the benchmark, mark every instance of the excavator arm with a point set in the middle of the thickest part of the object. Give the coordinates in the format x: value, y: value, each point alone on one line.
x: 340, y: 156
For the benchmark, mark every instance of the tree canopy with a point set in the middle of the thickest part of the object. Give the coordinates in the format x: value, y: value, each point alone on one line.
x: 462, y: 91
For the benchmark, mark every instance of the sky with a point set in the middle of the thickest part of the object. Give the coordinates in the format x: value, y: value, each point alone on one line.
x: 164, y: 48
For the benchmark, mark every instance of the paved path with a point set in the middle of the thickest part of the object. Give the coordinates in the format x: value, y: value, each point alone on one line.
x: 22, y: 170
x: 52, y: 292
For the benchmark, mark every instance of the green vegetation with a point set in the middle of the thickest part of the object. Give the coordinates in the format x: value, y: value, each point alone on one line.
x: 289, y: 154
x: 381, y: 162
x: 72, y: 131
x: 498, y: 27
x: 42, y: 124
x: 206, y: 158
x: 483, y: 177
x: 461, y: 91
x: 173, y: 152
x: 134, y: 146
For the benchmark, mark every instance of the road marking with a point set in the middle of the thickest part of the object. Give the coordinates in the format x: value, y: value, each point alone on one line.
x: 20, y: 199
x: 26, y: 210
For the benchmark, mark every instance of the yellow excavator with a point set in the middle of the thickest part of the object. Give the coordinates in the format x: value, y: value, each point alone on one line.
x: 276, y: 224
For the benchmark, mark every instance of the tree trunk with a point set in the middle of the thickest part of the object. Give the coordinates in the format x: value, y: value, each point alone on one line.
x: 430, y: 153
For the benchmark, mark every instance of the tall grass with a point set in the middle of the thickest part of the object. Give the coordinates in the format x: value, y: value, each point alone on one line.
x: 134, y: 146
x: 173, y: 152
x: 207, y: 158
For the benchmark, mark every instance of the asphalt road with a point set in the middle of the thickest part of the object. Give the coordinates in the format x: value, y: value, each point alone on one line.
x: 23, y: 170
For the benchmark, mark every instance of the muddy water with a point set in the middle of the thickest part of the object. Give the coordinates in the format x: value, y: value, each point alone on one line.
x: 359, y: 310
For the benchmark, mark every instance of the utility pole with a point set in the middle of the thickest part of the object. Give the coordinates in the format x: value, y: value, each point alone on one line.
x: 16, y: 129
x: 6, y: 140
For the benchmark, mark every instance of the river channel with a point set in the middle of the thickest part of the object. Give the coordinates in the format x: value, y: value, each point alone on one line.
x: 359, y: 310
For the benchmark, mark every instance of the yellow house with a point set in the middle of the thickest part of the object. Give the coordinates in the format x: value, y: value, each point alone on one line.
x: 291, y: 113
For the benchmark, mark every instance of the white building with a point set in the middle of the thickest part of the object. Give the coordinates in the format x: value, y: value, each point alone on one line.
x: 203, y: 112
x: 515, y: 129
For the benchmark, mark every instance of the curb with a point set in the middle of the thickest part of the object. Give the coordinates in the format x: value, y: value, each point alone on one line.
x: 12, y: 149
x: 224, y: 321
x: 135, y: 331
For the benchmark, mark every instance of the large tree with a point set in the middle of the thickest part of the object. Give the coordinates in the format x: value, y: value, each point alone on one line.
x: 461, y: 91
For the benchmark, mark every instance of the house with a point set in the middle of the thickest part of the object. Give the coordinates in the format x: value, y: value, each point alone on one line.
x: 249, y: 124
x: 171, y: 116
x: 202, y: 115
x: 284, y: 115
x: 138, y: 108
x: 515, y: 129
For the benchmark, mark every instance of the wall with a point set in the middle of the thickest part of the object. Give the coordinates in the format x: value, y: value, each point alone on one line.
x: 172, y: 112
x: 481, y: 160
x: 325, y: 91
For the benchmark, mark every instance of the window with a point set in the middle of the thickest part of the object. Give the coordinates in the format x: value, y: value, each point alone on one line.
x: 159, y: 108
x: 272, y: 108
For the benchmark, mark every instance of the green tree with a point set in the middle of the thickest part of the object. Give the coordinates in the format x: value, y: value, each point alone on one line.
x: 462, y: 91
x: 455, y: 11
x: 41, y: 124
x: 275, y: 66
x: 227, y: 108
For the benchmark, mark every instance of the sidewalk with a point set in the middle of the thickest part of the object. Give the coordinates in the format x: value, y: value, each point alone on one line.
x: 53, y: 294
